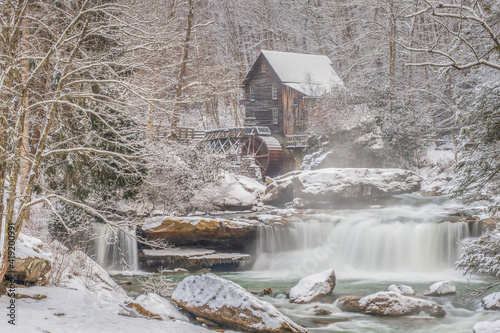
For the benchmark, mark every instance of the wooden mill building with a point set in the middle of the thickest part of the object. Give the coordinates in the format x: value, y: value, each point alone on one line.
x: 278, y: 86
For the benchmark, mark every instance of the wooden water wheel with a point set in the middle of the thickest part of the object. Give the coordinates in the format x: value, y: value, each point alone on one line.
x: 265, y: 150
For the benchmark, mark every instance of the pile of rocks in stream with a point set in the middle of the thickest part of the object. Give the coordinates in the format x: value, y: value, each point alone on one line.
x: 223, y: 303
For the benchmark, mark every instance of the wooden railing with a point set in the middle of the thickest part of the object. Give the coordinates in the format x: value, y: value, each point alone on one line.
x: 189, y: 134
x: 296, y: 141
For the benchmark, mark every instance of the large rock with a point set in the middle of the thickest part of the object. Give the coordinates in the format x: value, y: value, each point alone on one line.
x: 191, y: 259
x: 441, y: 288
x: 333, y: 184
x: 491, y: 302
x: 487, y: 327
x: 337, y: 184
x: 29, y: 269
x: 313, y: 287
x: 201, y: 231
x: 228, y: 304
x: 390, y: 304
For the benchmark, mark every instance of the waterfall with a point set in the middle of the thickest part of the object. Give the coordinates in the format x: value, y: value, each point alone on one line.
x: 401, y: 239
x: 114, y: 249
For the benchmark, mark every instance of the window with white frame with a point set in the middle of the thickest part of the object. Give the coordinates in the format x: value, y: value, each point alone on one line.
x: 252, y: 93
x: 275, y: 116
x: 275, y: 92
x: 295, y: 101
x: 263, y: 67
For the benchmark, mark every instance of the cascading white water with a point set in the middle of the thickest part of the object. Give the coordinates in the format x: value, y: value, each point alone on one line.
x: 114, y: 249
x: 358, y: 243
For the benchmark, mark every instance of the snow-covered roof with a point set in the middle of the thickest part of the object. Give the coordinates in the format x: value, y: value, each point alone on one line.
x: 309, y: 74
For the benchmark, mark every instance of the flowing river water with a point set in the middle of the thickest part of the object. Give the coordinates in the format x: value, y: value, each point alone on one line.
x: 412, y: 242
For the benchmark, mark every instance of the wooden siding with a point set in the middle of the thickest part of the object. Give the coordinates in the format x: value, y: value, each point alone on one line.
x: 294, y: 116
x: 292, y: 119
x: 261, y: 108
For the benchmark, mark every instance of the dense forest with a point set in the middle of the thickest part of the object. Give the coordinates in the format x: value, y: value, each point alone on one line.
x: 92, y: 91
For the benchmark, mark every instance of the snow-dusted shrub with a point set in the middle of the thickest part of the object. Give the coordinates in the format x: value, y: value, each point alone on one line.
x: 158, y: 284
x: 181, y: 177
x: 478, y: 162
x: 481, y: 255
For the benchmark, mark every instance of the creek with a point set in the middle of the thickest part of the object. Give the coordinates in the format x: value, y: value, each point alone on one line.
x: 413, y: 242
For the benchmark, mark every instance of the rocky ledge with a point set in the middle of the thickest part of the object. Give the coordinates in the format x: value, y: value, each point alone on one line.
x: 327, y: 185
x: 191, y: 259
x: 230, y: 234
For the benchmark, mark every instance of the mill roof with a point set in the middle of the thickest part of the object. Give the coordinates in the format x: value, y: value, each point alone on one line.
x: 309, y: 74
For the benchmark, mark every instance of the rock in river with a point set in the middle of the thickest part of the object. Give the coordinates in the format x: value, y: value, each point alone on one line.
x: 312, y: 287
x: 441, y: 288
x: 390, y: 304
x: 228, y: 304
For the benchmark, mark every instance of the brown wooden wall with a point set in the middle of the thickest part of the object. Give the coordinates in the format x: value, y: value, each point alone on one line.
x: 291, y: 119
x: 261, y: 107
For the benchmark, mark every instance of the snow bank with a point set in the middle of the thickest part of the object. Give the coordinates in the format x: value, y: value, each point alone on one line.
x: 441, y: 288
x: 27, y: 246
x: 86, y: 300
x: 160, y: 306
x: 312, y: 287
x: 227, y: 303
x: 241, y: 191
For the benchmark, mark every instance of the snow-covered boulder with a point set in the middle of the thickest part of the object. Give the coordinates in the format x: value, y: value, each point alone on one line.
x: 280, y: 189
x: 491, y: 302
x: 402, y: 289
x: 241, y: 191
x: 335, y: 184
x: 487, y: 327
x: 205, y: 230
x: 312, y: 287
x: 390, y: 304
x: 31, y: 262
x: 226, y: 303
x: 154, y: 306
x: 441, y: 288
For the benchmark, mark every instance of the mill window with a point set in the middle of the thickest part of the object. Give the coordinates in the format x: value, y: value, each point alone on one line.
x: 295, y: 101
x: 275, y: 116
x: 252, y: 93
x: 275, y: 92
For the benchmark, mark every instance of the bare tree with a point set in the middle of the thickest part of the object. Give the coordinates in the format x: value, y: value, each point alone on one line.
x: 80, y: 75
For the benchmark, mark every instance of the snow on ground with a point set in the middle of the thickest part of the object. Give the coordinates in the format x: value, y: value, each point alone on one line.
x: 160, y: 306
x: 86, y: 300
x: 241, y: 190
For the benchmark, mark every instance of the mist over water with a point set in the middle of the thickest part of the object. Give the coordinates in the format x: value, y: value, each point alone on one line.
x: 411, y: 239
